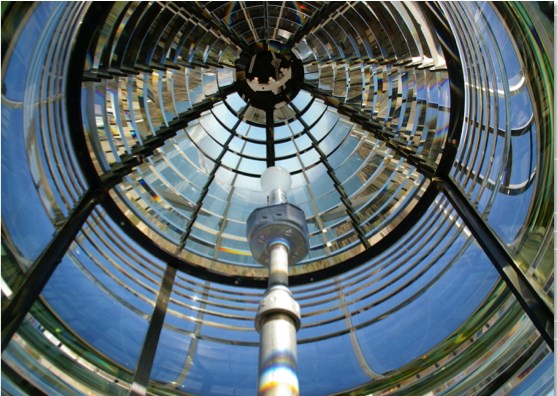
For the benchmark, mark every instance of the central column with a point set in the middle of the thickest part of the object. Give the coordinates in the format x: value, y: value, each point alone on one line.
x: 278, y: 237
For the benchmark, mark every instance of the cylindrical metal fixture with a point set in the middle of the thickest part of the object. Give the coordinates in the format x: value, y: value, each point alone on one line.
x: 277, y: 369
x: 278, y: 320
x: 278, y: 265
x: 276, y: 197
x: 278, y: 236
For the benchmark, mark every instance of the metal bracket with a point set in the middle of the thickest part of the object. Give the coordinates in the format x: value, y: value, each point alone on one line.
x: 278, y: 299
x: 285, y: 222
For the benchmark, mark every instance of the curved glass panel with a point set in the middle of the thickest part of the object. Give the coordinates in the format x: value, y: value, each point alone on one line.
x: 504, y: 141
x: 112, y: 292
x: 34, y: 130
x: 137, y: 133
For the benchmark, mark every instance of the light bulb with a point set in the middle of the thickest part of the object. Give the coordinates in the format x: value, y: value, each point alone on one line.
x: 275, y: 182
x: 275, y: 178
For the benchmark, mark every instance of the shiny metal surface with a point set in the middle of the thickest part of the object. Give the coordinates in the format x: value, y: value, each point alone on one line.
x: 277, y: 321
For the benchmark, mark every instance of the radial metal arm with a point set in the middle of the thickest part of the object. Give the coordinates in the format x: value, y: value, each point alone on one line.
x: 535, y: 307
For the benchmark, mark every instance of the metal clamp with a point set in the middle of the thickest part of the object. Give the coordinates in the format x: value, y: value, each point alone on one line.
x: 278, y: 299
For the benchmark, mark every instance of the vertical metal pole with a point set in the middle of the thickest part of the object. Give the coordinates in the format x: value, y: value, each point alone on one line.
x: 278, y: 265
x: 276, y: 233
x: 278, y: 357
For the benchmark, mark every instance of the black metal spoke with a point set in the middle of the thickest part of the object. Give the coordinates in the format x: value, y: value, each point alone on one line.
x: 379, y: 131
x: 535, y: 307
x: 266, y: 21
x: 141, y: 151
x: 45, y: 265
x: 455, y: 73
x: 205, y: 190
x: 147, y: 356
x: 337, y: 183
x: 269, y: 138
x: 196, y: 9
x: 319, y: 16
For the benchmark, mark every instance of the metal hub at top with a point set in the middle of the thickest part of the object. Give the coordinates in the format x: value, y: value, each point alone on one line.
x: 270, y: 77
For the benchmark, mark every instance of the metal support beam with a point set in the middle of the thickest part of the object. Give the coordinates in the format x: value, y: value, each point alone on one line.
x: 211, y: 176
x: 319, y: 16
x: 266, y: 22
x: 269, y: 138
x: 45, y: 265
x: 337, y: 183
x: 147, y: 356
x: 141, y: 151
x: 535, y: 307
x: 379, y: 131
x: 196, y: 9
x: 454, y: 66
